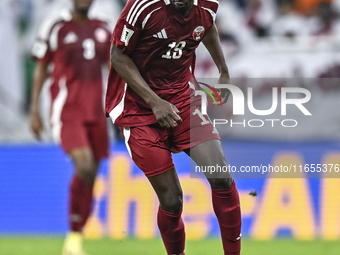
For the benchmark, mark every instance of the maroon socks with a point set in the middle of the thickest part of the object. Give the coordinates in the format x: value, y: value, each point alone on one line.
x: 80, y: 203
x: 226, y: 205
x: 172, y: 231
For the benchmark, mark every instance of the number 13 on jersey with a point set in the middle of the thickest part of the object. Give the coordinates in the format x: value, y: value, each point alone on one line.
x: 175, y: 49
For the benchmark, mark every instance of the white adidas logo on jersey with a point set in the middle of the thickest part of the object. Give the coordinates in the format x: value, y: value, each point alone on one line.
x: 161, y: 35
x: 71, y: 37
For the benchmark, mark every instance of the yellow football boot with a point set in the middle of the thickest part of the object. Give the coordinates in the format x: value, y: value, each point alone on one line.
x: 73, y: 244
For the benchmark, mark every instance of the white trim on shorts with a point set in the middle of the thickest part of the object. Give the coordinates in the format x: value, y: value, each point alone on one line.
x: 127, y: 133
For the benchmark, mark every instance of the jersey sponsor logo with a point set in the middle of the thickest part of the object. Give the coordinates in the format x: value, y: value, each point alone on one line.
x: 198, y: 33
x: 162, y: 34
x: 126, y: 35
x: 100, y: 35
x: 71, y: 37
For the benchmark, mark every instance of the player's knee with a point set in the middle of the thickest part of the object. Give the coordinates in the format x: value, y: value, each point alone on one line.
x: 173, y: 206
x: 221, y: 183
x: 173, y: 203
x: 86, y: 170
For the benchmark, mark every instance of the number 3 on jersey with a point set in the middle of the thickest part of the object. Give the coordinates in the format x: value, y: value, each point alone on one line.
x: 89, y: 48
x: 176, y: 50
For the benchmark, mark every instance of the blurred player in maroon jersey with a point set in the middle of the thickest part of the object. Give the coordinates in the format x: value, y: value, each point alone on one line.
x: 77, y: 47
x: 153, y: 59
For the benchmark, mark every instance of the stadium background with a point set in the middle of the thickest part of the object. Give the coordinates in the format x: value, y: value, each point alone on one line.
x: 293, y: 43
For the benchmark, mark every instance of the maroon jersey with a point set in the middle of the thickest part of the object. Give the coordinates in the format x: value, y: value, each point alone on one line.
x: 77, y: 52
x: 162, y: 44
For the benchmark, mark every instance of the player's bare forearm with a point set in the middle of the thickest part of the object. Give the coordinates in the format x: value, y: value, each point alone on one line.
x: 165, y: 113
x: 212, y: 42
x: 40, y: 75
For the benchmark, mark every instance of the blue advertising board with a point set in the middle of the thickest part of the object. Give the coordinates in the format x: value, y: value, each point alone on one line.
x: 35, y: 178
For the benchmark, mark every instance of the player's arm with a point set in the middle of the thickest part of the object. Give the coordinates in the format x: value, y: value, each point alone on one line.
x: 212, y: 42
x: 40, y: 75
x: 166, y: 114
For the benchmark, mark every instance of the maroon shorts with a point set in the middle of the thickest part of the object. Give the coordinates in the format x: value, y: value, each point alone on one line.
x: 80, y: 134
x: 151, y: 146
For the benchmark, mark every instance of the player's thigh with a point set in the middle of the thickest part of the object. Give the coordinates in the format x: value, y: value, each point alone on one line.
x: 168, y: 190
x: 201, y: 141
x: 98, y: 139
x: 149, y: 148
x: 72, y: 135
x: 74, y: 140
x: 210, y: 154
x: 194, y: 129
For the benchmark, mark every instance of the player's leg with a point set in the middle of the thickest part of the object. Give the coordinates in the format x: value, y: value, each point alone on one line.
x: 199, y: 139
x: 169, y: 220
x: 225, y: 196
x: 82, y: 144
x: 80, y: 198
x: 210, y: 153
x: 149, y: 150
x: 90, y: 146
x: 81, y: 187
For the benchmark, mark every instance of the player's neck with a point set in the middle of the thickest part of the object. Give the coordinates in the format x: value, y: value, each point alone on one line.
x: 185, y: 12
x: 80, y: 17
x: 183, y: 7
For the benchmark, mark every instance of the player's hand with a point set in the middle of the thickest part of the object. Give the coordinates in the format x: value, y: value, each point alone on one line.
x: 36, y: 124
x: 167, y: 115
x: 223, y: 93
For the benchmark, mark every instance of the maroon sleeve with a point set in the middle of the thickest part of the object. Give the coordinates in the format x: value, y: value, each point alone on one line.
x: 41, y: 49
x: 211, y: 6
x: 128, y: 27
x: 214, y: 6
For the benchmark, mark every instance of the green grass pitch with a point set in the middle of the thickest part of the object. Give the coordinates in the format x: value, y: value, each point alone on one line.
x: 52, y: 246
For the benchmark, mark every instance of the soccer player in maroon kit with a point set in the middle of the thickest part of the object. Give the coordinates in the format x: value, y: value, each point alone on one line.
x: 153, y: 60
x: 77, y: 47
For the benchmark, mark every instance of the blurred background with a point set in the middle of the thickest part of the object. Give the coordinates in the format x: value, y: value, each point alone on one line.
x: 268, y: 44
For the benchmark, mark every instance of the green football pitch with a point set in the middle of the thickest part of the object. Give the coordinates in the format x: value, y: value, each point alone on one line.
x: 52, y: 246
